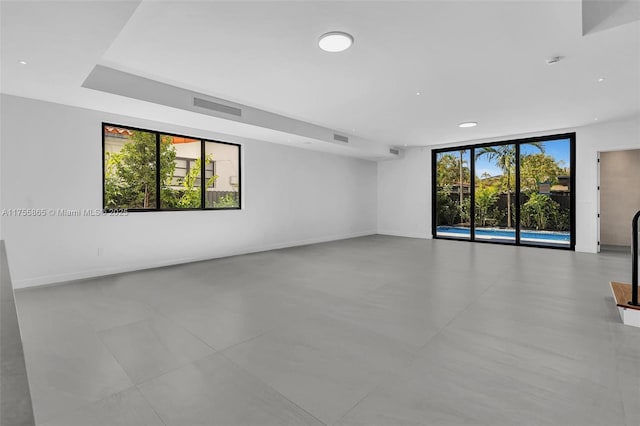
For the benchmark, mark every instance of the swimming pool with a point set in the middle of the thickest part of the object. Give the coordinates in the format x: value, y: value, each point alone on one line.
x: 563, y: 238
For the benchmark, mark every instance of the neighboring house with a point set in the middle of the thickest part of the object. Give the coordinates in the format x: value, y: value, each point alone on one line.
x: 224, y: 165
x: 563, y: 186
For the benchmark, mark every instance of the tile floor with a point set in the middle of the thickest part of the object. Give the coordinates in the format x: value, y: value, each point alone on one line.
x: 369, y: 331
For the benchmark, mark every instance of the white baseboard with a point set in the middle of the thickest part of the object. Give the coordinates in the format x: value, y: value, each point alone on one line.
x: 393, y: 233
x: 586, y: 249
x: 55, y: 279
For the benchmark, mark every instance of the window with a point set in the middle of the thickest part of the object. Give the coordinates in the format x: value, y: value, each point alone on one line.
x: 223, y: 182
x: 145, y: 170
x: 517, y: 192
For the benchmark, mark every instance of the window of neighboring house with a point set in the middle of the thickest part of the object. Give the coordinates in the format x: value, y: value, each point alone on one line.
x: 145, y: 170
x: 185, y: 165
x: 223, y: 183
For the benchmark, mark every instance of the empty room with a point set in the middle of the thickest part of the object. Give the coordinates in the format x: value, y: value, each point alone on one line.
x: 349, y: 213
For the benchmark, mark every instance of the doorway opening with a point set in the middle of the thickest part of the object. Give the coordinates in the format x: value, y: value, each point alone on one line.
x: 619, y: 198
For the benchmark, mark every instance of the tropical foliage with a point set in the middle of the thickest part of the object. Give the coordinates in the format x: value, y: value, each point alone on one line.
x: 505, y: 158
x: 486, y: 199
x: 130, y: 176
x: 537, y: 168
x: 226, y: 201
x: 495, y: 195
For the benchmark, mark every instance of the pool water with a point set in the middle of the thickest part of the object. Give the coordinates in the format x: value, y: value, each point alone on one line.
x: 557, y: 237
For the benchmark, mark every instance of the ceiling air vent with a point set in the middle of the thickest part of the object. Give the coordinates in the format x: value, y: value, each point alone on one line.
x: 394, y: 151
x: 202, y: 103
x: 340, y: 138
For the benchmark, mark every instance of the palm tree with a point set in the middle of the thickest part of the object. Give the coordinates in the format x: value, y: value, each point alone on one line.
x: 505, y: 158
x: 461, y: 175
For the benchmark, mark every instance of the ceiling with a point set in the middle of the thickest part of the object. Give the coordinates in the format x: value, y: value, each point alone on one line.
x: 481, y: 61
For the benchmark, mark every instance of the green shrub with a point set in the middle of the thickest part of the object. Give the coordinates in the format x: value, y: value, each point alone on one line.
x: 226, y: 201
x: 540, y: 212
x: 485, y: 200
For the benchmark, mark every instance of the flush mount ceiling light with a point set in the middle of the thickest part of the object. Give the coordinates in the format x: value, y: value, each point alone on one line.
x: 335, y: 41
x: 601, y: 79
x: 468, y: 124
x: 22, y: 62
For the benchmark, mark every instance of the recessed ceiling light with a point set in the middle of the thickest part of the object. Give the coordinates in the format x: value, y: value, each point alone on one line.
x: 468, y: 124
x: 335, y: 41
x: 22, y: 62
x: 595, y: 119
x: 417, y: 93
x: 601, y: 79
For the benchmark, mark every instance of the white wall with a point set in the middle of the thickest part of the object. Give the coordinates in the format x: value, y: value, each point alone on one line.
x: 407, y: 181
x: 611, y: 136
x: 51, y: 158
x: 404, y: 195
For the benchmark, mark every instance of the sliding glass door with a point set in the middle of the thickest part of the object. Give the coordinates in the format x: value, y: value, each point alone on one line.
x: 517, y: 192
x: 545, y: 193
x: 494, y: 190
x: 453, y: 194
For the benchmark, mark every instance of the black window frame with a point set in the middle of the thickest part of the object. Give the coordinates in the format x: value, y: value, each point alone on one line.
x: 158, y: 134
x: 517, y: 142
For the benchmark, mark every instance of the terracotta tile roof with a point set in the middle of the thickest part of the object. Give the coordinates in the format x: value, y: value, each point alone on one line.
x: 117, y: 131
x: 120, y: 131
x: 179, y: 139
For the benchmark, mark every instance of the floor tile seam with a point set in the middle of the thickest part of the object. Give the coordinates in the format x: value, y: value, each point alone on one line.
x: 107, y: 350
x: 371, y: 391
x: 185, y: 329
x: 173, y: 369
x: 343, y: 297
x: 414, y: 351
x: 179, y: 364
x: 150, y: 404
x: 382, y: 383
x: 618, y: 371
x: 244, y: 341
x: 524, y: 344
x: 170, y: 370
x: 129, y: 324
x: 262, y: 382
x: 387, y: 379
x: 456, y: 316
x: 88, y: 404
x: 410, y: 348
x: 149, y: 307
x: 525, y: 388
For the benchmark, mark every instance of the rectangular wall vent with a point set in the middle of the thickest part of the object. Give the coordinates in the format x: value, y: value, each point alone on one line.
x: 340, y: 138
x: 213, y: 106
x: 394, y: 151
